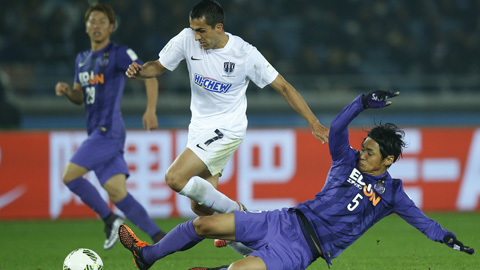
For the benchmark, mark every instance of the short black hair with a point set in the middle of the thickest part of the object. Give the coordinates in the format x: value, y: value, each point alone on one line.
x: 104, y: 8
x: 211, y: 10
x: 389, y: 138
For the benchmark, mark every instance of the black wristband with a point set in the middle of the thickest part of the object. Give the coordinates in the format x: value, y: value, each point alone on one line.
x: 365, y: 101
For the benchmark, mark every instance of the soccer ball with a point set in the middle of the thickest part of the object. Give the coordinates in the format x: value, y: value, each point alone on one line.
x: 83, y: 259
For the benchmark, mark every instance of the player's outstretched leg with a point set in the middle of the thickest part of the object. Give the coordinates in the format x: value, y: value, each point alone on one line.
x: 131, y: 242
x: 112, y: 223
x: 137, y: 214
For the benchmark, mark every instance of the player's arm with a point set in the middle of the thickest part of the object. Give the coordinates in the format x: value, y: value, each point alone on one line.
x: 150, y: 69
x: 339, y: 144
x: 149, y: 119
x: 408, y: 211
x: 296, y: 101
x: 75, y: 95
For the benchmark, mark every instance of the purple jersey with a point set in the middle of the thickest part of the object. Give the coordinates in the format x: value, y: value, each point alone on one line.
x: 351, y: 202
x: 102, y: 76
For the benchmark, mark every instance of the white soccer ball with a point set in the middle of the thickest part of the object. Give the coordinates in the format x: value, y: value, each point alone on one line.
x: 83, y: 259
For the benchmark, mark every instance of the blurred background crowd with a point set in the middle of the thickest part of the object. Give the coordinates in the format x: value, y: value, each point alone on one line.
x: 422, y: 47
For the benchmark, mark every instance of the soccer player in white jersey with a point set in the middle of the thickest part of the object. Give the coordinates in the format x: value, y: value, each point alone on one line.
x: 220, y: 65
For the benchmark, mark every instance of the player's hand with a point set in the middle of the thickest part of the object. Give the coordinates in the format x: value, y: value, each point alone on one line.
x: 134, y: 70
x: 61, y: 88
x: 150, y: 120
x: 320, y: 132
x: 451, y: 241
x: 378, y: 99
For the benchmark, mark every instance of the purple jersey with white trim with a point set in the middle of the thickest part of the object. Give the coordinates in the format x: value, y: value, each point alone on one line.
x: 102, y: 76
x: 351, y: 202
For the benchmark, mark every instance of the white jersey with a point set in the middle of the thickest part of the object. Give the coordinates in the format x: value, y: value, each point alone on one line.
x: 218, y: 79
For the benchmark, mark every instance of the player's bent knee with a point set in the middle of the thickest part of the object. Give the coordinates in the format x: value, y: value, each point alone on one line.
x: 66, y: 180
x: 202, y: 226
x: 249, y: 263
x: 239, y: 266
x: 174, y: 181
x: 72, y: 171
x: 116, y: 195
x: 68, y: 177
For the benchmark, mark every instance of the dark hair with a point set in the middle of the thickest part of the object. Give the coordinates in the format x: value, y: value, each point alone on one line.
x: 108, y: 10
x: 211, y: 10
x: 389, y: 138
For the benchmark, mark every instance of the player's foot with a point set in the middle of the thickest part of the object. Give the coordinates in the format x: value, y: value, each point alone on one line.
x: 112, y: 223
x: 131, y: 242
x: 210, y: 268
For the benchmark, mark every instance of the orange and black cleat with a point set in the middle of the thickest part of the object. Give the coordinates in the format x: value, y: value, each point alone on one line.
x: 131, y: 242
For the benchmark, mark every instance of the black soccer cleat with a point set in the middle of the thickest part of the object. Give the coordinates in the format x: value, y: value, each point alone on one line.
x: 131, y: 242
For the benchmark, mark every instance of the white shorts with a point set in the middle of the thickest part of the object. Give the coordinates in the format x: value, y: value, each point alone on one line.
x: 214, y: 147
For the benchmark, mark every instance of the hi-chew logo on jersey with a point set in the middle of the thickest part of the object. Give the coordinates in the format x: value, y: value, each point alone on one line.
x: 211, y: 84
x: 90, y: 78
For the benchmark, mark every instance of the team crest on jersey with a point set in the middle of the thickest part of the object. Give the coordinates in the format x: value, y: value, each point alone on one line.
x: 104, y: 61
x: 229, y: 67
x: 211, y: 84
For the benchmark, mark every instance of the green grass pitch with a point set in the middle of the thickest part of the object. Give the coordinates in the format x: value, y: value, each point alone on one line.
x: 390, y: 244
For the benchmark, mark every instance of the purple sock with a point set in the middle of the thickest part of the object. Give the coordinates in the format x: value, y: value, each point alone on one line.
x: 180, y: 238
x: 90, y: 196
x: 137, y: 214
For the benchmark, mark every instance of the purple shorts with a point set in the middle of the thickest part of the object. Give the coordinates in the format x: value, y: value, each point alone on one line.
x: 276, y: 236
x: 103, y: 155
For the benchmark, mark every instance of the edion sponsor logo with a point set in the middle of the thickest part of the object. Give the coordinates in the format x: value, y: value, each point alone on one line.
x: 90, y: 78
x: 356, y: 179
